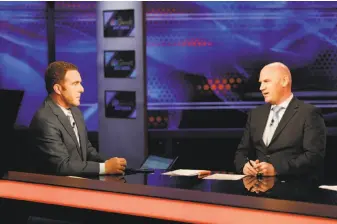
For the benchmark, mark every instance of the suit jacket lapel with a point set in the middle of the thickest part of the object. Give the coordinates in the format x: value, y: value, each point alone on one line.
x: 81, y: 133
x: 264, y: 114
x: 288, y: 114
x: 63, y: 120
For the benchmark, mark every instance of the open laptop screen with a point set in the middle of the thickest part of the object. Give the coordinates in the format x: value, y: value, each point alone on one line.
x: 156, y: 162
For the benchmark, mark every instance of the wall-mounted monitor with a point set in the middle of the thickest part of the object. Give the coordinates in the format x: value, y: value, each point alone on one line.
x: 119, y: 23
x: 119, y: 64
x: 120, y: 104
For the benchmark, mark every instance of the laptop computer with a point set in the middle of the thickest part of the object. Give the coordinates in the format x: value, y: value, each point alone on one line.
x: 151, y: 163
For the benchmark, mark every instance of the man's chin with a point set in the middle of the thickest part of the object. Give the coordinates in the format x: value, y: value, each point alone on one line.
x: 267, y: 100
x: 76, y: 104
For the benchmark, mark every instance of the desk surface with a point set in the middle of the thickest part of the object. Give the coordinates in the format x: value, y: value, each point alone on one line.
x: 282, y: 195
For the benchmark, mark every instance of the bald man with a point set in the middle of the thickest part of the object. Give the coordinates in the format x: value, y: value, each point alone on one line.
x: 285, y: 136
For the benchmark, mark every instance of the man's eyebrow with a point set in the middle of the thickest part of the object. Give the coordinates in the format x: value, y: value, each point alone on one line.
x: 264, y: 80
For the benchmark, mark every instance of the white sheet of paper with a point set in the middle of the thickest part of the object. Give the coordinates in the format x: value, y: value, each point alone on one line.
x: 333, y: 188
x: 183, y: 172
x: 222, y: 176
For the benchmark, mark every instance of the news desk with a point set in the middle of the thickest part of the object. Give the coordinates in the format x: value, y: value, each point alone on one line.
x: 171, y: 198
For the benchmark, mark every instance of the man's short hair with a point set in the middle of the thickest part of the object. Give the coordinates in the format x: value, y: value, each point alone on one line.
x: 56, y: 72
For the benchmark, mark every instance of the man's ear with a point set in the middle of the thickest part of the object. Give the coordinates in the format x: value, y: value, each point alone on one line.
x: 57, y: 89
x: 285, y: 81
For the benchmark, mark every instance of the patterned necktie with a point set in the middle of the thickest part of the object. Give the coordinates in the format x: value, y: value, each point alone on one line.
x: 273, y: 124
x: 73, y: 125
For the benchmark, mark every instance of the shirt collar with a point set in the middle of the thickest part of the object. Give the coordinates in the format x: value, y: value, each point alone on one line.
x: 285, y: 103
x: 65, y: 111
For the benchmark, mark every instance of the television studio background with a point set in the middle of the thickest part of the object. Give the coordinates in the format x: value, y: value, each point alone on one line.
x: 202, y: 65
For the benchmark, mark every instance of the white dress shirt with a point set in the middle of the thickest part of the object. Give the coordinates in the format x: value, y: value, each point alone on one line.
x: 284, y: 105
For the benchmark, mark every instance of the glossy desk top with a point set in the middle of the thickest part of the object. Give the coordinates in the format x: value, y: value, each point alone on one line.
x: 270, y: 193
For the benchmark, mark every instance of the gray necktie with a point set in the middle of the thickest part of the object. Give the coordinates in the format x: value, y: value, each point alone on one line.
x: 273, y: 124
x: 73, y: 125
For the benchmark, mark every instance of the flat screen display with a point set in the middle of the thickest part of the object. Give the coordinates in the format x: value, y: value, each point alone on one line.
x: 119, y: 64
x: 120, y: 104
x: 119, y: 23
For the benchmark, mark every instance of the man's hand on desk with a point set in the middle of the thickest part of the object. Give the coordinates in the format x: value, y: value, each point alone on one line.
x: 115, y: 165
x: 266, y: 169
x: 249, y: 168
x: 253, y: 168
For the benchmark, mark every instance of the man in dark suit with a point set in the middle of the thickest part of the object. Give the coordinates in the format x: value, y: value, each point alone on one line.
x: 60, y: 139
x: 285, y: 136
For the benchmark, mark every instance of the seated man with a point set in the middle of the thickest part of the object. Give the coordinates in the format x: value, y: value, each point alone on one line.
x: 286, y: 136
x: 60, y: 139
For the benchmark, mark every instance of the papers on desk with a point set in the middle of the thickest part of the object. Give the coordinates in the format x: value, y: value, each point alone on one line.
x: 222, y: 176
x: 183, y: 172
x: 332, y: 188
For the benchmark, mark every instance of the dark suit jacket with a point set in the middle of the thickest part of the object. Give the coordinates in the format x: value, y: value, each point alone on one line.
x: 55, y: 145
x: 298, y: 144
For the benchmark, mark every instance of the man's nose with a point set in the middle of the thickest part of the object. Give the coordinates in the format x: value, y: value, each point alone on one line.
x: 261, y: 87
x: 82, y: 89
